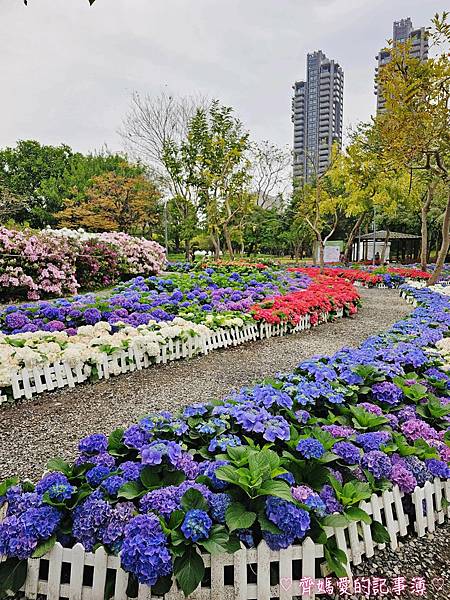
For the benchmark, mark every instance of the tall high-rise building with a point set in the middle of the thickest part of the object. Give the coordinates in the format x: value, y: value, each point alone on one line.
x: 317, y: 109
x: 403, y: 31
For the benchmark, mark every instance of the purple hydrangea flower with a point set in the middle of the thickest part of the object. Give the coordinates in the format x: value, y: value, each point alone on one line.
x: 144, y: 550
x: 387, y: 392
x: 155, y: 452
x: 403, y: 477
x: 93, y: 444
x: 348, y: 452
x: 377, y: 463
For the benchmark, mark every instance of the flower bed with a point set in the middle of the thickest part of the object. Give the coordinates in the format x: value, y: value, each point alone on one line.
x: 379, y: 276
x: 67, y: 342
x: 281, y: 463
x: 55, y: 263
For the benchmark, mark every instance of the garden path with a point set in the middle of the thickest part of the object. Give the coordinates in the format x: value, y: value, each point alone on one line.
x: 51, y: 425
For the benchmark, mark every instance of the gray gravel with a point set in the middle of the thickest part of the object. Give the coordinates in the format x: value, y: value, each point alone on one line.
x: 51, y: 425
x: 427, y: 557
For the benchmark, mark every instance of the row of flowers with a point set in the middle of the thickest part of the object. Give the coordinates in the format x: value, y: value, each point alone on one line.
x: 50, y: 263
x: 389, y: 276
x: 80, y: 331
x: 189, y: 295
x: 91, y: 343
x: 277, y: 461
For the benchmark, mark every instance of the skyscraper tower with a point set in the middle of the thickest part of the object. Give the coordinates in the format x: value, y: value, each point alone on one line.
x: 317, y: 110
x: 403, y: 31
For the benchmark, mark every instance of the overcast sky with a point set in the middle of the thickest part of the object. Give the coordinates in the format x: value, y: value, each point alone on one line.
x: 67, y: 70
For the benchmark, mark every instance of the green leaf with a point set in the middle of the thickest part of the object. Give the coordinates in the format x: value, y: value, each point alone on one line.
x: 131, y: 490
x: 44, y: 547
x: 58, y: 464
x: 5, y: 485
x: 227, y: 473
x: 115, y: 443
x: 193, y: 499
x: 358, y: 514
x: 267, y: 525
x: 238, y: 454
x: 189, y: 570
x: 334, y: 564
x: 379, y: 533
x: 162, y: 586
x: 13, y: 574
x: 238, y: 517
x: 149, y: 478
x: 217, y: 543
x: 275, y: 488
x: 132, y: 587
x: 335, y: 521
x: 176, y: 518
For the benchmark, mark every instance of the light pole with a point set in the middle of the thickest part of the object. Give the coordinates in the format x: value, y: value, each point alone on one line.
x: 166, y: 230
x: 374, y: 236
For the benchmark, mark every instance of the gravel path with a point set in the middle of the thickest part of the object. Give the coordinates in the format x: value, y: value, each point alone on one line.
x: 51, y: 425
x: 427, y: 558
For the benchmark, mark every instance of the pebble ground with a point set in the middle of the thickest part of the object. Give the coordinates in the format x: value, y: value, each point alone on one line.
x: 33, y: 432
x: 52, y: 424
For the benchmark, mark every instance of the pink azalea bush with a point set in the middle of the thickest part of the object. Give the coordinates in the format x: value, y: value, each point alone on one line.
x: 36, y: 264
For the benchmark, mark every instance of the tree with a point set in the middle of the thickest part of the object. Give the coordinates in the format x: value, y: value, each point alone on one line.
x: 72, y: 184
x: 114, y: 203
x: 209, y: 171
x: 414, y: 130
x: 270, y: 172
x: 23, y: 171
x: 153, y: 127
x: 11, y: 205
x: 318, y: 206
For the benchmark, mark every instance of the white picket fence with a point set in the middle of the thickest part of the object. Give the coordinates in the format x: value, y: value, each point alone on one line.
x: 28, y: 382
x: 249, y: 574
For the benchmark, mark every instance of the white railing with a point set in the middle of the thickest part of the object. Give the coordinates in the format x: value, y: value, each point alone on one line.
x: 28, y: 382
x: 249, y: 574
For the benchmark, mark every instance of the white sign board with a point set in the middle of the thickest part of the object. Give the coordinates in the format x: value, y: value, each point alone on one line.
x: 331, y: 254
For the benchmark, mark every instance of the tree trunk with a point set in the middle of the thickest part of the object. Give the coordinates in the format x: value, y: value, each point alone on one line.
x: 187, y: 250
x: 351, y: 237
x: 385, y: 245
x: 226, y: 235
x: 424, y: 229
x: 216, y: 244
x: 321, y: 255
x: 444, y: 246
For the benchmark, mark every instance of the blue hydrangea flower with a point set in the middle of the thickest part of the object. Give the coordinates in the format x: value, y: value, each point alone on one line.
x: 112, y: 484
x: 310, y: 448
x: 377, y: 463
x: 196, y: 525
x: 218, y: 504
x: 144, y: 550
x: 387, y: 392
x: 224, y: 441
x: 438, y: 468
x: 155, y: 452
x: 130, y: 470
x: 93, y: 444
x: 348, y: 452
x: 96, y: 475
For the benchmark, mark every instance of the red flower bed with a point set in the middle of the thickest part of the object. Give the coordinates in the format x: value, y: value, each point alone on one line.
x: 349, y: 274
x: 408, y: 273
x: 325, y: 294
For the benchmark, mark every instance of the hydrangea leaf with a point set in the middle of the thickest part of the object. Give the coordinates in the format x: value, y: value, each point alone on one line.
x: 238, y: 517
